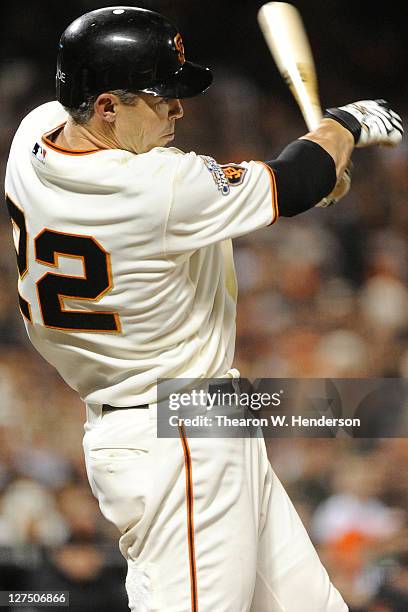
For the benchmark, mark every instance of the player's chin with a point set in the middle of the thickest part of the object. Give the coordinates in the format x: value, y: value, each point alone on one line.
x: 162, y: 141
x: 169, y: 137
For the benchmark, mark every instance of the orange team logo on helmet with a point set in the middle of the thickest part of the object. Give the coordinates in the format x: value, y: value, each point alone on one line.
x: 235, y: 174
x: 178, y: 41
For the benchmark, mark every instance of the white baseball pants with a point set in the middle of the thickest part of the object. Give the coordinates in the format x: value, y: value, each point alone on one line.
x: 206, y: 525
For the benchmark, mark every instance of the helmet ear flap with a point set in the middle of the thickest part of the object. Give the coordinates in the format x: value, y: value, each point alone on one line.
x: 125, y: 48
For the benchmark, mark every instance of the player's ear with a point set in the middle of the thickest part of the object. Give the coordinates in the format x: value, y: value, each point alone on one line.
x: 106, y: 107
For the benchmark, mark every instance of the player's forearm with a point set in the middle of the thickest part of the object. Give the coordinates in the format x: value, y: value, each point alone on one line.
x: 336, y: 140
x: 307, y: 170
x: 305, y: 173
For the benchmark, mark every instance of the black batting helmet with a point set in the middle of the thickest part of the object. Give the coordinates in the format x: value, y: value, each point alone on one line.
x: 124, y: 47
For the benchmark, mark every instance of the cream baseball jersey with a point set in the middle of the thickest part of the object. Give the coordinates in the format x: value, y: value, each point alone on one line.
x: 125, y: 261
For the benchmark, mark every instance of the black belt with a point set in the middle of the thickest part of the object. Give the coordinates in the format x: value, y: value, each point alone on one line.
x: 108, y: 408
x: 223, y: 387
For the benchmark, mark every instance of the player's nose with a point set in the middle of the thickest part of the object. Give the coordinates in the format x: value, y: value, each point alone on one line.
x: 175, y: 109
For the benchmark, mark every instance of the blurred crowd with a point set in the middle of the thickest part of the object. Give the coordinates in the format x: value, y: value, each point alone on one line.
x: 324, y: 294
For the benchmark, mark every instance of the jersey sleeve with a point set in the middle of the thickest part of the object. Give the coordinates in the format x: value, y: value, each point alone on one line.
x: 213, y: 202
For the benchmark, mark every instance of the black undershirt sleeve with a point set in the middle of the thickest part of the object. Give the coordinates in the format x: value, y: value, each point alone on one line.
x: 305, y: 173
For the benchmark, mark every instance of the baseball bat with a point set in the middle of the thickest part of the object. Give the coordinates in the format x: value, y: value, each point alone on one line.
x: 286, y: 37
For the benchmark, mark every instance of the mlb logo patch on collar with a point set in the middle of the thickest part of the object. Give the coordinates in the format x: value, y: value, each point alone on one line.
x: 39, y: 152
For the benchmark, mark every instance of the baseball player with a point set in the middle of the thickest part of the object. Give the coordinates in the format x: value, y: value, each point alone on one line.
x: 126, y: 276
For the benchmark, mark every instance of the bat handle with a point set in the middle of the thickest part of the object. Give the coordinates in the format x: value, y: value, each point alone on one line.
x: 341, y: 189
x: 312, y: 114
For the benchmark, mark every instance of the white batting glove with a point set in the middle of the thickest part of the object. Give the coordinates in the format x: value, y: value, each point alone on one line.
x: 370, y: 121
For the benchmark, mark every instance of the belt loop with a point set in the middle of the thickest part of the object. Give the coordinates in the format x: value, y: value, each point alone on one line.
x: 93, y: 415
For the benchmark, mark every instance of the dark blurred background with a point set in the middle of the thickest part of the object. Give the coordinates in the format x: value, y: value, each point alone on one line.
x: 321, y: 295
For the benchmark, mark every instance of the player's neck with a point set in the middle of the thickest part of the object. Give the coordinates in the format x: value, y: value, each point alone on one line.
x: 83, y: 137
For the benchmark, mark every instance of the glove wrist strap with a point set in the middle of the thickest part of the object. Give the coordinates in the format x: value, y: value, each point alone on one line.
x: 346, y: 119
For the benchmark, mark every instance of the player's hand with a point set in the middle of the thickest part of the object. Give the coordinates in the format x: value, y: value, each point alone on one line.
x: 370, y: 121
x: 341, y: 189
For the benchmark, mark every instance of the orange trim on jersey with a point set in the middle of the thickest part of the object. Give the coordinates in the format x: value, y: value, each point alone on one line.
x: 190, y: 517
x: 62, y: 296
x: 274, y: 191
x: 55, y: 147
